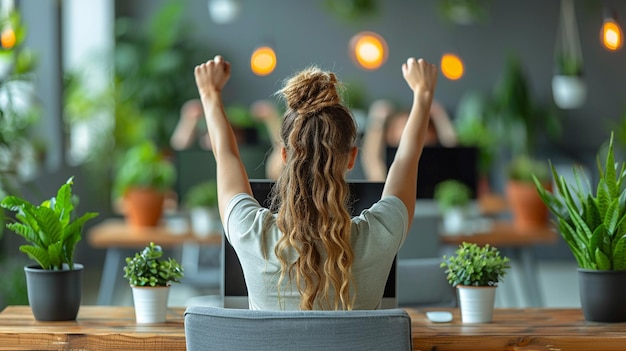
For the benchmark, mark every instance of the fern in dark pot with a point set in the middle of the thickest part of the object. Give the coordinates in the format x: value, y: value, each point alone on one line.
x: 54, y: 284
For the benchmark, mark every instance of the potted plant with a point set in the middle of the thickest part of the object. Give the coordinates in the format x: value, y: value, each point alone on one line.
x: 518, y: 121
x: 201, y: 201
x: 453, y: 198
x: 143, y: 178
x: 150, y: 277
x: 593, y: 227
x: 529, y: 212
x: 568, y: 86
x: 476, y: 271
x: 54, y: 284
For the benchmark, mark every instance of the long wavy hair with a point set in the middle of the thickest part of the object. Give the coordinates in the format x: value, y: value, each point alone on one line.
x: 312, y: 195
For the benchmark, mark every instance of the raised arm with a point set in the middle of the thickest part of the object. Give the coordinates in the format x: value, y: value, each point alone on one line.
x: 373, y: 149
x: 421, y: 77
x: 266, y: 112
x: 232, y: 178
x: 185, y: 131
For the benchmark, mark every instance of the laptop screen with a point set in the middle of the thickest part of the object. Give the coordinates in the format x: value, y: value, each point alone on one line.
x: 235, y: 293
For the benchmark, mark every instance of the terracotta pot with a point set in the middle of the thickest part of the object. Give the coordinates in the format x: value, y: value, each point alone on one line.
x: 528, y: 211
x: 143, y: 207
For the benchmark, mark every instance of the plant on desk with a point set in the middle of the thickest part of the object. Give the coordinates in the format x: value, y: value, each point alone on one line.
x: 529, y: 212
x: 201, y: 201
x: 54, y: 284
x: 594, y: 227
x: 143, y: 178
x: 476, y: 271
x: 150, y: 277
x: 453, y: 198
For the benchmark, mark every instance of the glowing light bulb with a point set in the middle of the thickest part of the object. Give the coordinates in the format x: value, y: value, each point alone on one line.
x: 452, y: 67
x: 7, y: 38
x: 368, y: 50
x: 263, y: 61
x: 611, y: 35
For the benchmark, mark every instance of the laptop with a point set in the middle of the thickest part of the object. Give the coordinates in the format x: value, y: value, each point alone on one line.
x: 439, y: 163
x: 234, y: 290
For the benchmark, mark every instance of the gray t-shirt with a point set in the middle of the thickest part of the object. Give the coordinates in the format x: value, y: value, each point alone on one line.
x: 377, y: 234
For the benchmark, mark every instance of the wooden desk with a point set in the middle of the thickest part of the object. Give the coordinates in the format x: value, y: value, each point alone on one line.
x: 96, y: 328
x: 115, y: 236
x: 537, y: 329
x: 114, y: 328
x: 520, y: 244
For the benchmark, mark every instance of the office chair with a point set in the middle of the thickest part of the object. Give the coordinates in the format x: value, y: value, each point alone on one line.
x: 210, y: 328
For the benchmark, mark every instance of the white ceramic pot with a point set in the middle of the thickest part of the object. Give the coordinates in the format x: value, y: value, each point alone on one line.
x: 205, y: 221
x: 477, y: 303
x: 569, y: 91
x: 150, y: 303
x: 454, y: 221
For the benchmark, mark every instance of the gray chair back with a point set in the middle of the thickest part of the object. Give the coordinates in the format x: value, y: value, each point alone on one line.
x: 211, y: 328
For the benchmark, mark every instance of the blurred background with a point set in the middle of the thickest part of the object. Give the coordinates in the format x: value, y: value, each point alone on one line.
x: 95, y: 78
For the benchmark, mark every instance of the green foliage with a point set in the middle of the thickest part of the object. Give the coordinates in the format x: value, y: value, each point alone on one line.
x: 523, y: 168
x: 473, y: 265
x: 464, y: 11
x: 144, y: 166
x: 19, y: 109
x: 49, y: 227
x: 516, y: 117
x: 352, y: 10
x: 451, y: 193
x: 568, y: 65
x: 151, y: 77
x: 592, y: 225
x: 147, y: 268
x: 202, y: 195
x: 473, y: 129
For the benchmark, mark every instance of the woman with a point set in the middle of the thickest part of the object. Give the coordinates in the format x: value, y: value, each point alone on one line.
x: 311, y: 254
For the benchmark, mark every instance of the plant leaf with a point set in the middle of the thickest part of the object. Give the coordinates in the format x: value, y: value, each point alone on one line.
x: 602, y: 261
x: 38, y: 254
x: 619, y: 254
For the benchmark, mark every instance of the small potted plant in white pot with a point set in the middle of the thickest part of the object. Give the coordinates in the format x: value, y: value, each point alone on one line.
x: 54, y: 284
x: 201, y: 201
x: 453, y: 198
x: 150, y: 277
x: 476, y: 271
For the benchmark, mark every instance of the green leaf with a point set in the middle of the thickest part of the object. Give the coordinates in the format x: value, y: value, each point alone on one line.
x: 38, y: 254
x: 619, y: 254
x: 610, y: 175
x: 611, y: 217
x: 63, y: 206
x: 55, y: 252
x: 602, y: 261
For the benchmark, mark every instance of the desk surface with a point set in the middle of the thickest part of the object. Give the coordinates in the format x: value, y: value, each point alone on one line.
x: 116, y: 233
x: 503, y: 234
x: 114, y: 328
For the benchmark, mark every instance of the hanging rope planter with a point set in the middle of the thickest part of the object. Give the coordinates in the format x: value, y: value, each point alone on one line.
x: 568, y: 86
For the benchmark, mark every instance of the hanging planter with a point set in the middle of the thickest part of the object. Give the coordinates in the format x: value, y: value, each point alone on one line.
x: 568, y: 86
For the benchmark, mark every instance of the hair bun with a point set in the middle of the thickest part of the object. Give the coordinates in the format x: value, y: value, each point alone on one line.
x: 311, y: 90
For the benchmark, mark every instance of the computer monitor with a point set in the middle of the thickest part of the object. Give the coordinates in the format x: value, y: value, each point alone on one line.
x: 439, y: 163
x: 235, y: 292
x: 195, y: 165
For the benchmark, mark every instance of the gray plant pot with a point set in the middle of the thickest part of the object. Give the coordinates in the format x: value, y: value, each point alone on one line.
x: 54, y: 295
x: 602, y: 295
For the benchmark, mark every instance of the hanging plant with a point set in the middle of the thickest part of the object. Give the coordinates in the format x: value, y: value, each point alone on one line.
x: 464, y: 12
x: 568, y: 87
x: 352, y: 10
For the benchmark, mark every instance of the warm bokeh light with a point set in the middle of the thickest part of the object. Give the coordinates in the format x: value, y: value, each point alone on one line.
x: 263, y: 61
x: 7, y: 39
x: 368, y: 50
x: 611, y: 35
x: 452, y: 66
